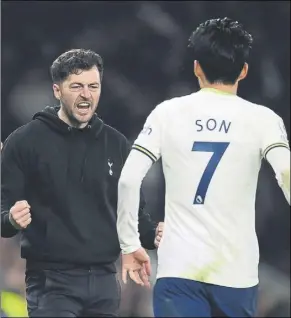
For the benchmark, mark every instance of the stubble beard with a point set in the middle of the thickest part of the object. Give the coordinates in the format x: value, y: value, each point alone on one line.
x: 71, y: 119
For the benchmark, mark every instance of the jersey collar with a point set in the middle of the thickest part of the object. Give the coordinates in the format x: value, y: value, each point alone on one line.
x: 216, y: 91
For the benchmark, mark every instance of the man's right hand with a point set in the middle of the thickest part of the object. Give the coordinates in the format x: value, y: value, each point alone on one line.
x: 19, y: 215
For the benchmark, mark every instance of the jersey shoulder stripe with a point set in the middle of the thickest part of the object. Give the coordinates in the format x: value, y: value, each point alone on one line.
x: 145, y: 151
x: 275, y: 145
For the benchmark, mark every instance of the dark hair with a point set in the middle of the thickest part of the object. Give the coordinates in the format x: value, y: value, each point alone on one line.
x: 71, y: 62
x: 221, y: 46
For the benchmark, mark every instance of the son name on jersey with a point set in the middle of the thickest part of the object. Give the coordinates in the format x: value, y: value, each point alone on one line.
x: 212, y: 124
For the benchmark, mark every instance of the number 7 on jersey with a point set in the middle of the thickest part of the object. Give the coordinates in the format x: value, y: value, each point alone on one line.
x: 218, y: 149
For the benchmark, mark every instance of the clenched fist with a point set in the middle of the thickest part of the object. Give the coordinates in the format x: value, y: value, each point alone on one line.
x: 19, y: 215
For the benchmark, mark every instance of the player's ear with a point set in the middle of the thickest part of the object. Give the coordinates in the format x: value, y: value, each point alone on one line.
x: 197, y: 69
x: 57, y: 92
x: 244, y: 72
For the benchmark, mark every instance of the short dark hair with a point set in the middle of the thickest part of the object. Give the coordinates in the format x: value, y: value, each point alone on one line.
x: 222, y: 47
x: 71, y: 62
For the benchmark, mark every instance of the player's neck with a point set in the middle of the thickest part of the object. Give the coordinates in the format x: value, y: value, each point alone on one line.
x: 220, y: 88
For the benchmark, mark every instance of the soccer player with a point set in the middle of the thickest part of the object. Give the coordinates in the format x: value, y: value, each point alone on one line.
x: 211, y: 144
x: 59, y: 190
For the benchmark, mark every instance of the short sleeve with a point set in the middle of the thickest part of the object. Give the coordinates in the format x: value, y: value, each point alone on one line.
x: 150, y: 138
x: 273, y: 133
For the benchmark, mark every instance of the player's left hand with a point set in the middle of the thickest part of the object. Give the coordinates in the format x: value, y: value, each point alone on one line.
x: 159, y: 234
x: 138, y: 266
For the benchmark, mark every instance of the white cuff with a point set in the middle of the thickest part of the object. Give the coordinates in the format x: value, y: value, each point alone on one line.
x: 130, y: 249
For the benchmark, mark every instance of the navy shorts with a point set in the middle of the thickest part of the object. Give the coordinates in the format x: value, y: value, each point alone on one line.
x: 177, y: 297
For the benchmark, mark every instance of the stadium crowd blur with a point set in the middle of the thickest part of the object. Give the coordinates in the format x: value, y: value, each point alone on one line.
x: 144, y: 46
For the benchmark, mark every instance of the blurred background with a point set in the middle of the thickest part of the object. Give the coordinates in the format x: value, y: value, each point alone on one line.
x: 144, y: 46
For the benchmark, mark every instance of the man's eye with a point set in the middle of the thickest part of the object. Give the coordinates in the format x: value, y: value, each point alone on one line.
x: 75, y: 86
x: 94, y: 86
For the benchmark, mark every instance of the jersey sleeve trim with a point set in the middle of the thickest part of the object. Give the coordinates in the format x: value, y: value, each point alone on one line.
x: 278, y: 144
x: 145, y: 152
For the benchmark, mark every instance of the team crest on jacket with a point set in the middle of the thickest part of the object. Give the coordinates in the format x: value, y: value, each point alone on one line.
x: 110, y: 164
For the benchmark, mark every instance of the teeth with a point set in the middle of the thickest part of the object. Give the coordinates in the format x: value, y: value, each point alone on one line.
x: 84, y: 104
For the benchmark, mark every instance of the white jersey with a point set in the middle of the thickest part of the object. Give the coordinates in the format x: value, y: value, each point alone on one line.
x: 211, y: 145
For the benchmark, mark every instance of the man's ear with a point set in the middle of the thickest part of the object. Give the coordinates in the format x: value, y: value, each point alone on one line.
x: 57, y: 92
x: 197, y: 69
x: 244, y: 72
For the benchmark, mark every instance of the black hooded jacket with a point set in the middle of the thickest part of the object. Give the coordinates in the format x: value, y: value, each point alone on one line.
x: 69, y: 177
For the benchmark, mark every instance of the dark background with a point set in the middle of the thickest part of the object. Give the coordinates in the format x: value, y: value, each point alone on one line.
x: 144, y: 47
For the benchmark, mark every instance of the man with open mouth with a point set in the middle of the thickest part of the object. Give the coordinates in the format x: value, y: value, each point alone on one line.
x: 59, y: 189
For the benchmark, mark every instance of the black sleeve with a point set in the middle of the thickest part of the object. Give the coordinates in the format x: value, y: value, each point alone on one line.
x: 146, y: 227
x: 12, y: 182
